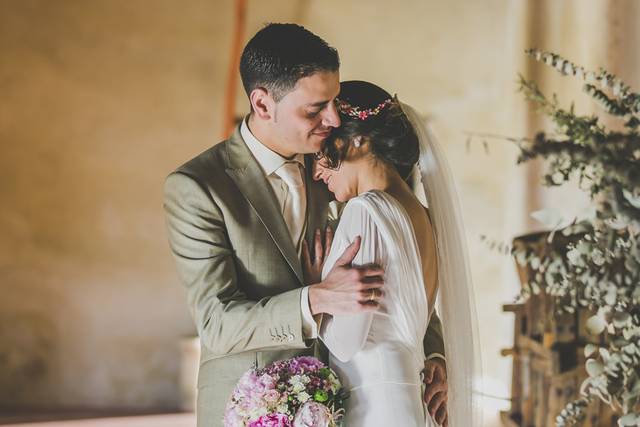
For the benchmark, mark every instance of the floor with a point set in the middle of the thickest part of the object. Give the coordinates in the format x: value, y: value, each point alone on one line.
x: 164, y: 420
x: 490, y: 419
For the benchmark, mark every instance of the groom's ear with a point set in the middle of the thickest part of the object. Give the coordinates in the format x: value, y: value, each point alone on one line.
x: 262, y: 103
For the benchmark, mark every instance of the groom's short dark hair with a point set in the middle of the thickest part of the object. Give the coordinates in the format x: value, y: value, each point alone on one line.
x: 281, y: 54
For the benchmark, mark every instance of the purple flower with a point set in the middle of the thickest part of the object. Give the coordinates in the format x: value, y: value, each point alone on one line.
x: 272, y: 420
x: 276, y: 368
x: 303, y: 364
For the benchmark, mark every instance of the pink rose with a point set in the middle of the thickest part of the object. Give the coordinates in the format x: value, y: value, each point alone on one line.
x: 232, y: 418
x: 271, y: 396
x: 273, y: 420
x: 312, y: 414
x: 304, y: 364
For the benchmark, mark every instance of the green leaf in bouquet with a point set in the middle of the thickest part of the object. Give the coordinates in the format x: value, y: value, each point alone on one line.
x: 324, y: 373
x: 321, y: 396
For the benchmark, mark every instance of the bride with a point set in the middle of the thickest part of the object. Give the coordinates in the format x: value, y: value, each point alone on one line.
x: 368, y: 162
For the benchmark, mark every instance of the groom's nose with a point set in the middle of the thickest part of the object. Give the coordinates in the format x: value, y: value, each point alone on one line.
x: 331, y: 118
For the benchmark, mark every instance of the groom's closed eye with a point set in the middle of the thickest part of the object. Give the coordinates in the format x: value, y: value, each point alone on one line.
x: 316, y: 108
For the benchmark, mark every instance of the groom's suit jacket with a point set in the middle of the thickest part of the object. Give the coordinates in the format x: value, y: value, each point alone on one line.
x: 242, y: 273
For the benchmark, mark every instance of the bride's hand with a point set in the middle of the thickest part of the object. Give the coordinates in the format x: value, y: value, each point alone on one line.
x: 313, y: 268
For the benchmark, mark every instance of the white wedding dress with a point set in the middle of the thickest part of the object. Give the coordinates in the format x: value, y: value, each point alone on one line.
x: 379, y: 356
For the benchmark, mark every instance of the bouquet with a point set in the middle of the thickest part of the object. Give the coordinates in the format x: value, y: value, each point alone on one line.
x: 297, y: 392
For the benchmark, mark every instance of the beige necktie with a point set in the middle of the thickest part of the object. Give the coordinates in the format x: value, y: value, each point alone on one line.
x: 295, y: 202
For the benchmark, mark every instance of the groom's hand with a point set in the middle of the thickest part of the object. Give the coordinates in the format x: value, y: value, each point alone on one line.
x: 436, y: 390
x: 348, y: 289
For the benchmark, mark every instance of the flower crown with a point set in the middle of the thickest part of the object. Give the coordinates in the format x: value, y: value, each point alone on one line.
x: 356, y: 112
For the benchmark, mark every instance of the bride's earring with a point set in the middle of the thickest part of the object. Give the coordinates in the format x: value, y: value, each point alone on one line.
x: 357, y: 141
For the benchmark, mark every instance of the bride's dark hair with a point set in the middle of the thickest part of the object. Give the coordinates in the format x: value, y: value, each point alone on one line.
x: 391, y: 136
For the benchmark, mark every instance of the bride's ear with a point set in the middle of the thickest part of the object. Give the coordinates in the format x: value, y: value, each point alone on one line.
x: 360, y: 147
x: 361, y: 143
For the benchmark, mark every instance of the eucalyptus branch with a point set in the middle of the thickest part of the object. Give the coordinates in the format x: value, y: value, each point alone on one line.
x: 624, y: 102
x: 592, y: 263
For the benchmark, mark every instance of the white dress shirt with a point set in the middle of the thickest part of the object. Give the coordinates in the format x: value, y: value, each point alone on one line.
x: 270, y: 162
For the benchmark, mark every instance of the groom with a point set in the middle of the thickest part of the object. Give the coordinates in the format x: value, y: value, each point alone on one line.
x: 238, y: 215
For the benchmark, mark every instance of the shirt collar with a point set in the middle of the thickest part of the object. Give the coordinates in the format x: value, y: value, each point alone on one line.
x: 269, y: 160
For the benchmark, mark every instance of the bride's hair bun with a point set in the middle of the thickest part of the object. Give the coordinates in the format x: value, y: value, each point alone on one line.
x: 391, y: 137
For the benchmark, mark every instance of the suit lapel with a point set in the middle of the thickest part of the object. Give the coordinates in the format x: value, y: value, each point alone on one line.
x: 244, y: 170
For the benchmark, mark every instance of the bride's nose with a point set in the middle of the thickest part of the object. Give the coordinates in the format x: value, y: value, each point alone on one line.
x: 317, y: 171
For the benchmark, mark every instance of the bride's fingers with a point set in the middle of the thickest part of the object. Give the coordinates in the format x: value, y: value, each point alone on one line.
x: 328, y: 241
x: 305, y: 256
x: 318, y: 247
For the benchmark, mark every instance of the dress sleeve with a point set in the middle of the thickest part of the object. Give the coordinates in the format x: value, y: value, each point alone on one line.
x: 345, y: 335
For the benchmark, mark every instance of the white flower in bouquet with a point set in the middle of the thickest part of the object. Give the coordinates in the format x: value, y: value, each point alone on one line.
x: 303, y: 396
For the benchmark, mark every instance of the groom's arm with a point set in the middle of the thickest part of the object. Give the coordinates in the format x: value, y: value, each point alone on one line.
x: 433, y: 341
x: 435, y: 375
x: 227, y: 320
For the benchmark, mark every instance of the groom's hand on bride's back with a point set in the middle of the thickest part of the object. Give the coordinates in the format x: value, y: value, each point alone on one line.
x: 436, y: 393
x: 347, y: 289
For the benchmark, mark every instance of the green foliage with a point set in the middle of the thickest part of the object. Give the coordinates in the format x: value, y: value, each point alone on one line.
x: 594, y: 262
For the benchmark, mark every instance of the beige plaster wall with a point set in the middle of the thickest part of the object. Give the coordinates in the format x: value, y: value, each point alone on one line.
x: 100, y: 100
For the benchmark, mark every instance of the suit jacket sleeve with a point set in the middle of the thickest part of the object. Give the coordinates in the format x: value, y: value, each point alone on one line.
x: 226, y: 319
x: 433, y: 340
